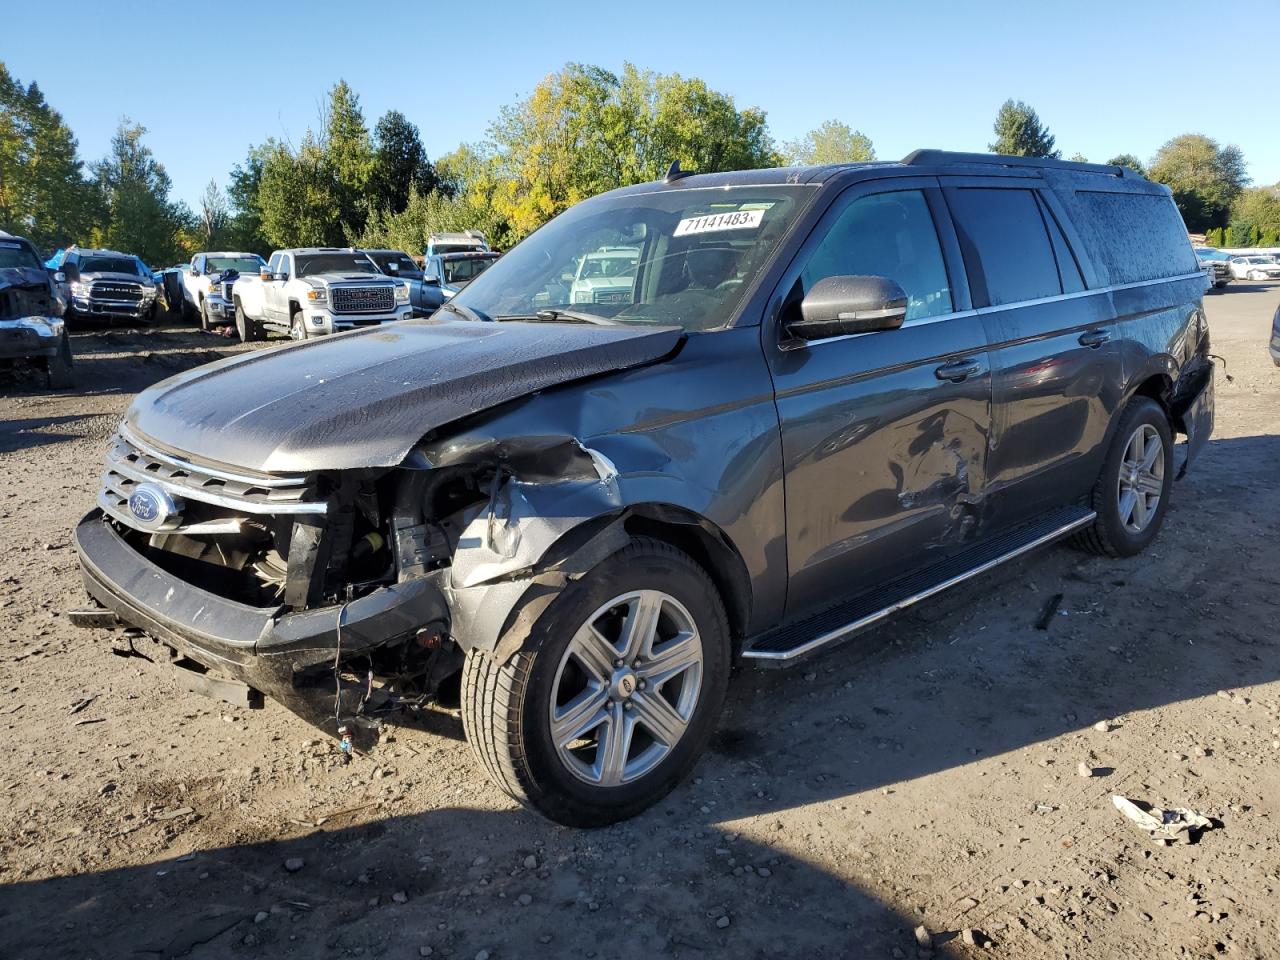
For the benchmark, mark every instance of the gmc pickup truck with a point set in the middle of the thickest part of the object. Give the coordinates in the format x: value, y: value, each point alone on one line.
x: 207, y: 282
x: 313, y: 291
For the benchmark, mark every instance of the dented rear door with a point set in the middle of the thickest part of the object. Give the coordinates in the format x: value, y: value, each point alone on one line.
x: 884, y: 434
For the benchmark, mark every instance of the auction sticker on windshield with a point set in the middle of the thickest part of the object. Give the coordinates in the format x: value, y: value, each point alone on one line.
x: 738, y: 220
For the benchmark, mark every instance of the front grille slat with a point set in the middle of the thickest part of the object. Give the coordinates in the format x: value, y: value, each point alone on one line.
x: 130, y: 462
x: 115, y: 290
x: 380, y: 298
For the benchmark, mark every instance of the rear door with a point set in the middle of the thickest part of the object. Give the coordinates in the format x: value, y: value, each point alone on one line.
x: 884, y: 435
x: 1055, y: 351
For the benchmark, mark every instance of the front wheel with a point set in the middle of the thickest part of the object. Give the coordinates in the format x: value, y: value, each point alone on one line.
x: 1131, y: 495
x: 297, y: 328
x: 248, y: 328
x: 58, y: 367
x: 614, y: 693
x: 1255, y: 275
x: 206, y: 321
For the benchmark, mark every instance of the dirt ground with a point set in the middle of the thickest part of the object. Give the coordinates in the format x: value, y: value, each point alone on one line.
x: 925, y: 775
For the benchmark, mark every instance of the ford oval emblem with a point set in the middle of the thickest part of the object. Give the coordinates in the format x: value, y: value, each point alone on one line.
x: 151, y: 506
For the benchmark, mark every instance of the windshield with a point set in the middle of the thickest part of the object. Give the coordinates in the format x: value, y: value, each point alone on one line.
x: 238, y: 264
x: 461, y: 272
x: 1260, y: 260
x: 17, y: 255
x: 396, y: 264
x: 1204, y: 254
x: 311, y: 264
x: 438, y: 249
x: 108, y: 265
x: 686, y: 257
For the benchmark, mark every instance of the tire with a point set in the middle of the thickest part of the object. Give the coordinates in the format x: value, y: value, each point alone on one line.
x: 250, y: 330
x: 1254, y: 275
x: 206, y: 322
x: 297, y: 326
x: 508, y: 707
x: 1120, y: 530
x: 58, y: 368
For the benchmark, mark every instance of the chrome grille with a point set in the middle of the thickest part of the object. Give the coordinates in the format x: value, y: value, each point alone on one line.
x: 115, y: 290
x: 131, y: 462
x: 612, y: 296
x: 374, y: 299
x: 226, y: 290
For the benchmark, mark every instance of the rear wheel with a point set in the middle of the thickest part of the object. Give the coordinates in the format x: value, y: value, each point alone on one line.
x: 58, y: 367
x: 1131, y: 495
x: 614, y: 694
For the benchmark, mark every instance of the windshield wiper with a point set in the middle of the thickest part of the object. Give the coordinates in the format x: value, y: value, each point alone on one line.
x: 466, y: 313
x: 556, y: 315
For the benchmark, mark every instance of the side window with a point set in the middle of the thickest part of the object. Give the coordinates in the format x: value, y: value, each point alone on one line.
x: 274, y: 265
x: 887, y: 235
x: 1005, y: 243
x: 1068, y: 268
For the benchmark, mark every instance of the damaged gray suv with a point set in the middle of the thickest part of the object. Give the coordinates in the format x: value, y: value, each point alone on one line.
x: 821, y: 395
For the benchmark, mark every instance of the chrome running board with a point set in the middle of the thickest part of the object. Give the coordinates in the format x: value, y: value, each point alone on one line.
x: 792, y: 641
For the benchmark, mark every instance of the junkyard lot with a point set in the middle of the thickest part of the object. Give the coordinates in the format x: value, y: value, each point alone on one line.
x: 930, y: 764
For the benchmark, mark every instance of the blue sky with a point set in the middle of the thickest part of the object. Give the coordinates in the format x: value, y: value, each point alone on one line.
x: 208, y: 81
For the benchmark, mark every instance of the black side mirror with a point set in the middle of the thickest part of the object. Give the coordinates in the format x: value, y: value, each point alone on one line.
x: 280, y: 275
x: 838, y: 306
x: 431, y: 279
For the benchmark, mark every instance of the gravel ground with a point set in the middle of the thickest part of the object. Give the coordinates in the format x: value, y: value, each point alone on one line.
x: 927, y: 776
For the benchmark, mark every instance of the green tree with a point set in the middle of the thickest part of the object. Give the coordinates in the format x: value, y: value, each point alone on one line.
x: 1255, y: 215
x: 44, y: 194
x: 1019, y: 132
x: 135, y: 187
x: 1204, y: 177
x: 245, y: 228
x: 831, y: 142
x: 215, y: 217
x: 1079, y: 158
x: 347, y: 152
x: 400, y: 164
x: 584, y: 130
x: 1130, y: 161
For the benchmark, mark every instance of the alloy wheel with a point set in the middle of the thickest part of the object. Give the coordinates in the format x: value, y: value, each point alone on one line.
x: 1141, y: 482
x: 626, y: 688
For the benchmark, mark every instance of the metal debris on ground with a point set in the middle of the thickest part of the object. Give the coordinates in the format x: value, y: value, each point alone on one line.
x: 1175, y: 825
x: 1046, y: 615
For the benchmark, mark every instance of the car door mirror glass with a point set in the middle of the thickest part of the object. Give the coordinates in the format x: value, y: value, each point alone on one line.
x: 839, y: 306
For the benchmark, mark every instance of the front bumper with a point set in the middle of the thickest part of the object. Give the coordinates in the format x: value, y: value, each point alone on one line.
x: 17, y: 343
x: 89, y: 307
x: 287, y: 656
x: 320, y: 322
x: 220, y: 309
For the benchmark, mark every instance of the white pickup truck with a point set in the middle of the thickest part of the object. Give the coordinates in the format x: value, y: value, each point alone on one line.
x: 207, y: 283
x: 312, y: 291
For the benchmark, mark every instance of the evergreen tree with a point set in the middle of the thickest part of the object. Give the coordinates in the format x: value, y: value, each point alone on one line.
x: 1019, y: 132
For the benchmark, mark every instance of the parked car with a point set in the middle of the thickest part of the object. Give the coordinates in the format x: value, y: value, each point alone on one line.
x: 106, y: 284
x: 31, y: 327
x: 313, y: 291
x: 605, y: 276
x: 1274, y: 346
x: 447, y: 274
x: 1255, y: 267
x: 590, y: 510
x: 469, y: 241
x: 398, y: 264
x: 1216, y: 266
x: 208, y: 281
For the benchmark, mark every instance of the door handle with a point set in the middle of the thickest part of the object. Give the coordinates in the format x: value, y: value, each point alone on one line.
x: 1094, y: 338
x: 957, y: 370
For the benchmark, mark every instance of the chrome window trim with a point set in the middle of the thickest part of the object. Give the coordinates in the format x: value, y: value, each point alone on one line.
x: 1001, y: 307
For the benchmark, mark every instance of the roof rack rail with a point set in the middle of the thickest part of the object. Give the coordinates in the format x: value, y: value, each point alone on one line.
x: 919, y: 158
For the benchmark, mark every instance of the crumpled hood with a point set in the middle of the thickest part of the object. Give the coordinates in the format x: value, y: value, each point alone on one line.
x: 363, y: 399
x: 13, y: 278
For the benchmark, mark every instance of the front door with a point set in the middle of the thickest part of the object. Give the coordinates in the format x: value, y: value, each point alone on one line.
x: 273, y: 292
x: 884, y: 435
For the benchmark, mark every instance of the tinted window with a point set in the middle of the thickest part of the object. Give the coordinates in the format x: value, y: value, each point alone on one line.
x: 887, y: 235
x: 14, y: 254
x: 1135, y: 236
x: 1006, y: 246
x: 1068, y: 269
x: 101, y: 264
x: 314, y: 264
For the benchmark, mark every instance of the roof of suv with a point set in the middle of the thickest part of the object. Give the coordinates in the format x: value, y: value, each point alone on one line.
x: 98, y: 252
x: 918, y: 162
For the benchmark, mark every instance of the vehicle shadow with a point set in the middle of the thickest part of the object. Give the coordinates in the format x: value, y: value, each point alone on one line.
x: 33, y: 432
x: 804, y: 760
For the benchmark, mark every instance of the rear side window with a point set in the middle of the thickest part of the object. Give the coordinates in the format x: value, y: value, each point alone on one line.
x: 1006, y: 245
x: 1136, y: 236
